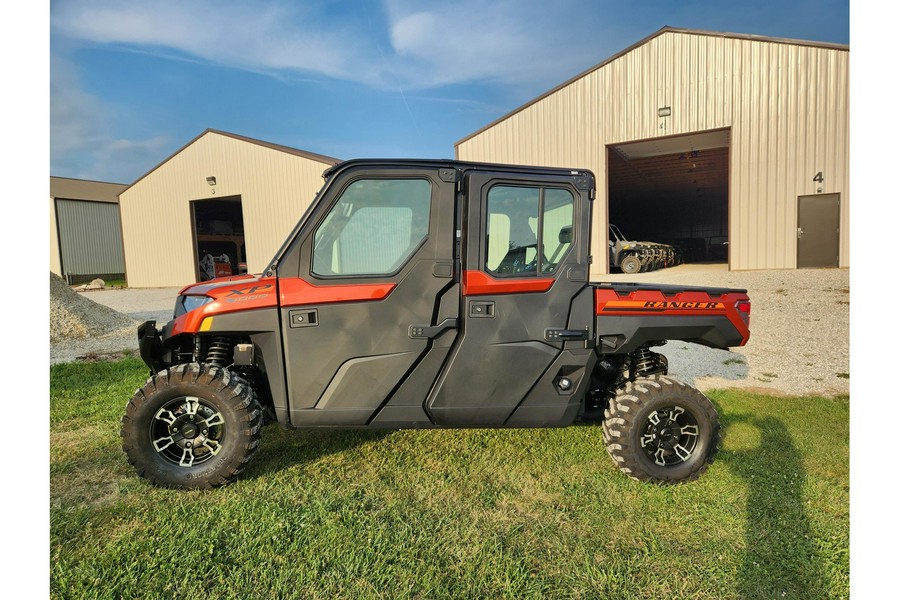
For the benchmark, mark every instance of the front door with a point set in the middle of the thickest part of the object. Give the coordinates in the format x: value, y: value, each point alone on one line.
x: 375, y: 272
x: 526, y: 312
x: 818, y: 231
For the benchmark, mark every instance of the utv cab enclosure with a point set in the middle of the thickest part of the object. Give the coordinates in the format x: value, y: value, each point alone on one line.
x: 427, y: 294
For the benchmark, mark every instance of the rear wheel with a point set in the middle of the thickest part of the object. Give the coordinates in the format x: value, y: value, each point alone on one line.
x: 661, y: 430
x: 631, y: 264
x: 192, y: 426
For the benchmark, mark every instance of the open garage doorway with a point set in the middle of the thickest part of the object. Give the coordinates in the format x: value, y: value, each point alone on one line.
x: 672, y: 191
x: 218, y: 238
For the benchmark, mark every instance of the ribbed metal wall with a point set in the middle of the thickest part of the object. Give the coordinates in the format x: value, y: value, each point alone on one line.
x: 786, y: 105
x: 275, y: 188
x: 55, y: 265
x: 89, y: 237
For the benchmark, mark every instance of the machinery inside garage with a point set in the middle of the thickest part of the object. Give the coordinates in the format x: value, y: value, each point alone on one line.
x: 673, y: 191
x: 219, y: 237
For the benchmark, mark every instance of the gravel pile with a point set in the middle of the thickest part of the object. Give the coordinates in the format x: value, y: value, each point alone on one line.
x: 135, y: 306
x: 799, y: 329
x: 74, y: 317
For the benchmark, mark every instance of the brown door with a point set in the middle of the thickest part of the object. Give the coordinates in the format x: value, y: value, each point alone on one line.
x: 818, y: 231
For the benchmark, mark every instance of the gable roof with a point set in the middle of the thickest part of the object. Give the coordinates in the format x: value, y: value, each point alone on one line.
x: 328, y: 160
x: 69, y: 188
x: 666, y: 29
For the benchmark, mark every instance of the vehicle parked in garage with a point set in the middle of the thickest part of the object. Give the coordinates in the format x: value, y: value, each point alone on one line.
x: 718, y: 248
x: 634, y: 257
x: 429, y: 294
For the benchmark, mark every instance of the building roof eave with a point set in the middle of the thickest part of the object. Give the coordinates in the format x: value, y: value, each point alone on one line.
x: 638, y: 44
x: 327, y: 160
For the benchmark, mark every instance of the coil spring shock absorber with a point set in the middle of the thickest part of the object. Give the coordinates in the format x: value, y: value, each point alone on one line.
x: 219, y: 353
x: 645, y: 362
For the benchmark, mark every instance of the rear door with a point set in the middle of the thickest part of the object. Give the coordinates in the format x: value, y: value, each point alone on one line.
x: 525, y: 267
x: 373, y: 278
x: 818, y: 231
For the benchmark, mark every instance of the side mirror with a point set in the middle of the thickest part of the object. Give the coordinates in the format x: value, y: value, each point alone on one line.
x: 565, y: 235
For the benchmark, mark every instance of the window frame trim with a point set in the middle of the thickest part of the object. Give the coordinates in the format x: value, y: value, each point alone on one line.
x: 541, y: 187
x: 339, y: 195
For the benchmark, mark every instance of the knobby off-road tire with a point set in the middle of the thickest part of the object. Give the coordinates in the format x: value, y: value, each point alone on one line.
x: 192, y: 426
x: 660, y: 430
x: 631, y: 264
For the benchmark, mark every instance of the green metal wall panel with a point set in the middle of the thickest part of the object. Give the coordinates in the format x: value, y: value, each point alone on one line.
x: 90, y: 237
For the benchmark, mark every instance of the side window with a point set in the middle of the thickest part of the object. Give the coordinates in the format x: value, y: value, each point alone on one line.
x: 559, y: 212
x: 374, y: 228
x: 528, y: 229
x: 512, y: 216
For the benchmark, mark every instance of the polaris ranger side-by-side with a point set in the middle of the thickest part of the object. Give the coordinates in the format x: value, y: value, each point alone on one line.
x: 427, y: 294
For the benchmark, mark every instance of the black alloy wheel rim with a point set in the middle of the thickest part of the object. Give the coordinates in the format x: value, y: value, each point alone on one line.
x: 187, y: 431
x: 670, y: 436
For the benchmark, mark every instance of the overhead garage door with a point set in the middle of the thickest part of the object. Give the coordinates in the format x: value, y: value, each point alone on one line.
x: 673, y: 190
x: 90, y: 238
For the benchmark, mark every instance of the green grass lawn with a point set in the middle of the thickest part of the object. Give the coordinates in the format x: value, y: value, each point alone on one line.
x: 451, y: 514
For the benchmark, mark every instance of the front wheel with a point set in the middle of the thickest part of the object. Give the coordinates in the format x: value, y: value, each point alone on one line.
x: 631, y: 264
x: 660, y: 430
x: 192, y: 426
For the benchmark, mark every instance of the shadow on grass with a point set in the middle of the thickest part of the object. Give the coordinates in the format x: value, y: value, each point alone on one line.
x: 780, y: 559
x: 283, y: 448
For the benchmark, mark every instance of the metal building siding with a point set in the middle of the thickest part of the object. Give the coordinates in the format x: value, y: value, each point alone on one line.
x: 90, y: 237
x: 55, y: 266
x: 275, y: 188
x: 787, y: 107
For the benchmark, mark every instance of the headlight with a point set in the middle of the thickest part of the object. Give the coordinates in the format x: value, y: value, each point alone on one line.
x: 186, y: 304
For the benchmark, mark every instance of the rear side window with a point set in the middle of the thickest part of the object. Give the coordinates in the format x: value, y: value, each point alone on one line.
x: 374, y: 228
x: 528, y: 230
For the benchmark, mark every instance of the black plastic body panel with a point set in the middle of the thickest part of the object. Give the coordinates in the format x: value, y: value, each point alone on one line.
x: 263, y: 328
x: 630, y: 333
x: 150, y: 346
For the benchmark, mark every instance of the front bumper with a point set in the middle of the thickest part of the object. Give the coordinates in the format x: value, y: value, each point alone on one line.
x: 150, y: 346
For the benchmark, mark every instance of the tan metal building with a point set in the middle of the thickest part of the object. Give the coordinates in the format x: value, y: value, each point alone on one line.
x: 735, y: 144
x: 223, y: 197
x: 85, y: 233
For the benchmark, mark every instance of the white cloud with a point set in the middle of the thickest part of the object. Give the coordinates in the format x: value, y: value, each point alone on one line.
x: 474, y: 41
x: 264, y: 37
x: 502, y: 41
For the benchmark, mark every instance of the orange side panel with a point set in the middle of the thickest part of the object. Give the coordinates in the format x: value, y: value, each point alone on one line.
x: 477, y: 283
x: 227, y: 299
x: 298, y: 292
x: 261, y: 294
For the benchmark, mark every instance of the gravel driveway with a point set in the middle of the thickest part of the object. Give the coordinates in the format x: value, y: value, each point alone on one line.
x: 799, y: 324
x: 141, y: 304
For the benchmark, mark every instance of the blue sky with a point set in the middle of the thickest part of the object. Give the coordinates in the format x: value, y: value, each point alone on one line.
x: 131, y: 82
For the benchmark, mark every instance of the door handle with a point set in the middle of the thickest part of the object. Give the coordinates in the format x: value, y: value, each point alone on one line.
x: 427, y: 331
x: 556, y: 335
x: 481, y: 310
x: 304, y: 318
x: 799, y: 232
x: 569, y: 335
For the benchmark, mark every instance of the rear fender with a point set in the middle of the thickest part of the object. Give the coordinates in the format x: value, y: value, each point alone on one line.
x: 632, y: 315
